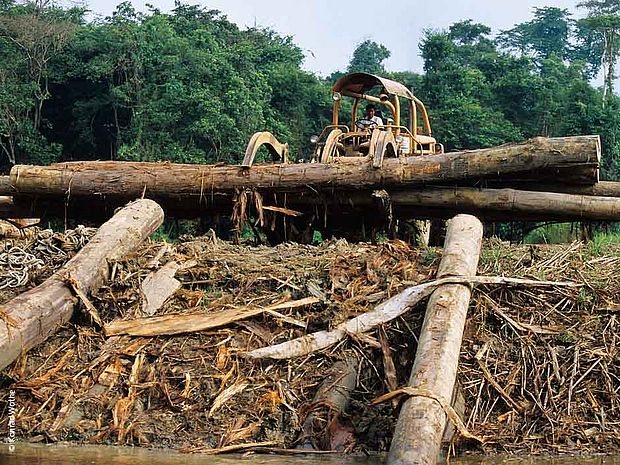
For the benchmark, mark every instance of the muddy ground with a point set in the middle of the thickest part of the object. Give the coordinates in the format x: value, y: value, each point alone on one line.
x: 538, y: 373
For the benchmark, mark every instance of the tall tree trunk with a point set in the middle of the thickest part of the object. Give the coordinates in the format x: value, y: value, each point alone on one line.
x: 611, y: 64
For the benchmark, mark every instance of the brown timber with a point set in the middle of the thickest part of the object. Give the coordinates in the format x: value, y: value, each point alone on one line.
x: 162, y: 180
x: 422, y: 420
x: 511, y: 203
x: 600, y: 189
x: 443, y: 202
x: 31, y: 317
x: 429, y: 202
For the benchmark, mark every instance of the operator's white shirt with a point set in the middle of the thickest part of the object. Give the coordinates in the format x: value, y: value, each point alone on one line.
x: 377, y: 120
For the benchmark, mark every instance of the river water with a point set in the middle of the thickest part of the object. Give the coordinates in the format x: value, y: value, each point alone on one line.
x: 26, y: 454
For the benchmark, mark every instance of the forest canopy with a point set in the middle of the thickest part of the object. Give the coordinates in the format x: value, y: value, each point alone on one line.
x: 190, y: 86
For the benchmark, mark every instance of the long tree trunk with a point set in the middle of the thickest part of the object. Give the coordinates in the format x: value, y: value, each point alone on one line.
x: 511, y: 203
x: 429, y: 202
x: 422, y: 420
x: 164, y: 180
x: 30, y: 318
x: 502, y: 204
x: 601, y: 188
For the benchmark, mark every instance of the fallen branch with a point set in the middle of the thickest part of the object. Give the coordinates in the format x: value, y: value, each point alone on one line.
x: 177, y: 324
x: 384, y: 312
x: 445, y: 405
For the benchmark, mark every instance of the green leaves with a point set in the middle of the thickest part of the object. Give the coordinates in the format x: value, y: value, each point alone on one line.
x: 368, y: 57
x: 544, y: 36
x: 190, y: 86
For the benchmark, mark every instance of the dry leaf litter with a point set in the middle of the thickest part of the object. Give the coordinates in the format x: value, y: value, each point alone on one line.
x: 538, y: 369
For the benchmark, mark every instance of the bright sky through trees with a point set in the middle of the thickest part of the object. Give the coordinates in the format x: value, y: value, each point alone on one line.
x: 328, y: 32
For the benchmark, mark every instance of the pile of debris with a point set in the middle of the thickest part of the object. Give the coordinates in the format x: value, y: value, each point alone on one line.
x: 538, y: 367
x: 34, y: 254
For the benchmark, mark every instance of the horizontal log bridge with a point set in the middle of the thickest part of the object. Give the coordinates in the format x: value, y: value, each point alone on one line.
x: 162, y: 180
x: 429, y: 202
x: 509, y: 203
x: 31, y: 317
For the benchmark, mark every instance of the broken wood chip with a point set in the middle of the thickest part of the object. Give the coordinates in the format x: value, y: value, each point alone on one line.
x: 157, y: 287
x: 90, y: 308
x: 226, y: 395
x: 183, y: 323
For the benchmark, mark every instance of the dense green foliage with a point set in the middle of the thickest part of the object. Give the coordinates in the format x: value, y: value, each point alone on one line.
x: 187, y: 86
x: 190, y: 86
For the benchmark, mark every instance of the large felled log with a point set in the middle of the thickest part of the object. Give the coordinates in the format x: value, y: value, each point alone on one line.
x: 511, y: 203
x: 420, y: 425
x: 600, y: 189
x: 504, y: 204
x: 160, y: 180
x: 428, y: 202
x: 31, y: 317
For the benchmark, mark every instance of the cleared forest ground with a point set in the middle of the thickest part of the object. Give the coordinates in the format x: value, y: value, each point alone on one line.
x: 538, y: 370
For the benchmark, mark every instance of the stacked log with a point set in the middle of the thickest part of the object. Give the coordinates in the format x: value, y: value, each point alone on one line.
x: 537, y: 158
x: 430, y: 202
x: 520, y: 183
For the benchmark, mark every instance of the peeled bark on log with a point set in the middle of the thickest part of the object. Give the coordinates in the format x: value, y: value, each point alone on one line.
x: 422, y: 420
x: 31, y: 317
x: 170, y: 180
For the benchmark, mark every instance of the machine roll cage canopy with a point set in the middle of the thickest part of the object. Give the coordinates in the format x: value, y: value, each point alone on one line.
x: 357, y: 85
